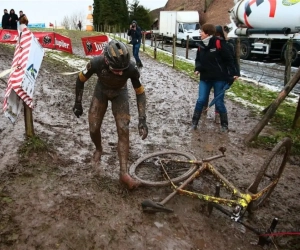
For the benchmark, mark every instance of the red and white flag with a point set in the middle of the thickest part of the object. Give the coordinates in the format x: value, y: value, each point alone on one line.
x: 26, y: 63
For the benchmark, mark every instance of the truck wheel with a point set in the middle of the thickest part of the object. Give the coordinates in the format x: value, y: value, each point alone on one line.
x: 183, y: 43
x: 245, y: 50
x: 295, y: 55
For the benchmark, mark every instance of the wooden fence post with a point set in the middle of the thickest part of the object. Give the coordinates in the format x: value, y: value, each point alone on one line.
x: 187, y: 47
x: 155, y: 46
x: 152, y: 37
x: 288, y: 61
x: 174, y: 50
x: 144, y: 38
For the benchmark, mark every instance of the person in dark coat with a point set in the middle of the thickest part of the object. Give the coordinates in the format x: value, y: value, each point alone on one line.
x: 23, y: 18
x: 13, y: 20
x: 5, y: 20
x: 216, y: 68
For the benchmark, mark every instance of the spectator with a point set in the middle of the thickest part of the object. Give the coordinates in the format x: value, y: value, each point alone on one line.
x: 216, y: 68
x: 136, y: 38
x: 79, y: 25
x: 13, y: 20
x: 23, y: 18
x: 5, y: 20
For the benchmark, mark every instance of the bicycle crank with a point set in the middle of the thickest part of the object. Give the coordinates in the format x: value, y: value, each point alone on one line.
x: 153, y: 207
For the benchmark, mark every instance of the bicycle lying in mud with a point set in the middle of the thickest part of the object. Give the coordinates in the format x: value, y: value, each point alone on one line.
x: 173, y: 167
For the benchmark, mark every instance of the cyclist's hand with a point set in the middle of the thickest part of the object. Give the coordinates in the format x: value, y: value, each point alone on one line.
x: 196, y: 73
x: 143, y: 129
x: 77, y: 109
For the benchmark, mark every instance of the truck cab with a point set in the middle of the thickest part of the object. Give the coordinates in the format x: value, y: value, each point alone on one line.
x: 188, y: 29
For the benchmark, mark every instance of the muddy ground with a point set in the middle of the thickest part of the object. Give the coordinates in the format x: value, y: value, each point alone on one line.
x: 55, y: 199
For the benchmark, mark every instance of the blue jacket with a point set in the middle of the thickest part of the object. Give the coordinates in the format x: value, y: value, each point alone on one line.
x: 136, y: 35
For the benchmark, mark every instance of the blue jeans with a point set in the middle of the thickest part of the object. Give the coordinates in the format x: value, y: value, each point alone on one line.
x: 203, y: 96
x: 135, y: 52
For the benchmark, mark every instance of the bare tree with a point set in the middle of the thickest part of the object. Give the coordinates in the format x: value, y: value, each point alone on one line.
x: 75, y: 18
x: 66, y: 23
x: 70, y: 22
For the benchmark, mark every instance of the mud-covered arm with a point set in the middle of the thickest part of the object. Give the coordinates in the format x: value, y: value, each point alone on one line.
x: 141, y: 104
x: 81, y: 79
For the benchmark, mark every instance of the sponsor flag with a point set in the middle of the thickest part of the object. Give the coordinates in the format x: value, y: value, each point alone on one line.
x: 26, y: 63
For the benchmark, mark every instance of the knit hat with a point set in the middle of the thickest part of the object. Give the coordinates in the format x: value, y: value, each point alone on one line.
x: 133, y: 21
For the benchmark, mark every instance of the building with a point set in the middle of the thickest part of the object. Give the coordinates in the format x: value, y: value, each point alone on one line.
x: 89, y: 19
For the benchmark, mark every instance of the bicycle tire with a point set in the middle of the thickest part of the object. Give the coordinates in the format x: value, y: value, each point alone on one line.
x: 283, y: 147
x: 134, y: 167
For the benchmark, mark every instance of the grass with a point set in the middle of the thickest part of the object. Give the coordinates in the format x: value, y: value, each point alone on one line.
x: 33, y: 144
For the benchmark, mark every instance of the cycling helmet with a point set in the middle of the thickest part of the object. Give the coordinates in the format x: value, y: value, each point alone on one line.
x: 117, y: 55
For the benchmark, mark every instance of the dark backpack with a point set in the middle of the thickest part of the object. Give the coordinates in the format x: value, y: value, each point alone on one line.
x: 232, y: 50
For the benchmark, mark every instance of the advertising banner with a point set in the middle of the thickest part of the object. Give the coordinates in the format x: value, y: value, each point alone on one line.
x: 94, y: 45
x: 26, y: 63
x: 49, y: 40
x: 63, y: 43
x: 46, y: 39
x: 8, y: 36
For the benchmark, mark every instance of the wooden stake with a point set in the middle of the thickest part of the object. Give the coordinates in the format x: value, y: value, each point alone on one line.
x: 29, y: 130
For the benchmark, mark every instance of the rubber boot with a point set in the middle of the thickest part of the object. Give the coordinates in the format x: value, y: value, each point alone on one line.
x: 195, y: 119
x: 224, y: 122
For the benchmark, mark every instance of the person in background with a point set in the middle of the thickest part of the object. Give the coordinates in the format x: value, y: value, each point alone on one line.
x: 113, y: 69
x: 216, y: 69
x: 79, y: 25
x: 136, y: 38
x: 13, y: 20
x: 23, y: 18
x: 5, y: 20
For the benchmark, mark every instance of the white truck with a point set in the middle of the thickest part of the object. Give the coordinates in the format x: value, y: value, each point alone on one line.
x: 181, y: 24
x: 265, y: 26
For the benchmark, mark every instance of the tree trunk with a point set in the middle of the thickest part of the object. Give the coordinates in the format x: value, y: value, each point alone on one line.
x: 273, y: 107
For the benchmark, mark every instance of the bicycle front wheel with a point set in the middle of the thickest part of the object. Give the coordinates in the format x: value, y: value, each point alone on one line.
x: 148, y: 169
x: 270, y: 173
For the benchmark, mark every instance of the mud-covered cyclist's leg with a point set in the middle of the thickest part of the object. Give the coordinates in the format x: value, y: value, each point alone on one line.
x: 120, y: 109
x: 96, y: 113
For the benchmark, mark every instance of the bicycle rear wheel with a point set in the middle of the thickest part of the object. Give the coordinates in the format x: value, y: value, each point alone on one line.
x: 270, y: 173
x: 148, y: 169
